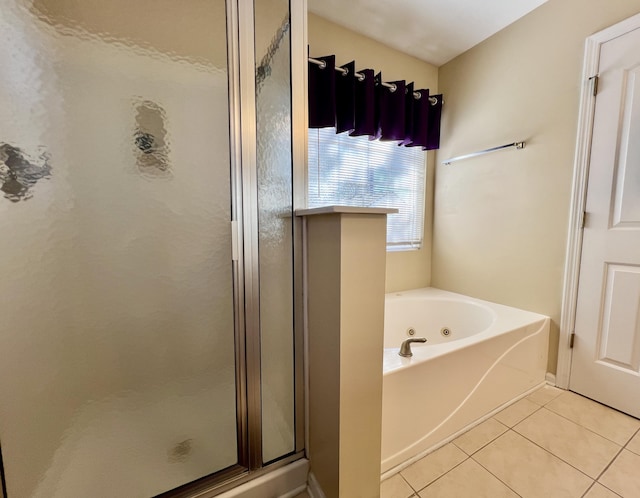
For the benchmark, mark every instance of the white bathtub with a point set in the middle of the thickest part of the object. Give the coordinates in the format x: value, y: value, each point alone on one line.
x: 492, y: 355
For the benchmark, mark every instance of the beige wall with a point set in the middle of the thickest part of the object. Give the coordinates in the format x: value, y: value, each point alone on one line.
x: 500, y: 222
x: 406, y: 269
x: 346, y: 261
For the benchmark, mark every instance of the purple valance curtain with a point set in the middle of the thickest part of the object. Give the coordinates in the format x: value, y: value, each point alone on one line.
x: 363, y: 104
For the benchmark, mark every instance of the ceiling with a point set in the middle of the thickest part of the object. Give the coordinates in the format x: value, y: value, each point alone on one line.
x: 435, y: 31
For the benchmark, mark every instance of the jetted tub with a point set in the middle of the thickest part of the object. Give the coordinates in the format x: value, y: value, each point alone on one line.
x: 478, y: 357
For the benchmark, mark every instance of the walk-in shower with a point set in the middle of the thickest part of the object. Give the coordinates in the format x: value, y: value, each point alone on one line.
x: 148, y: 246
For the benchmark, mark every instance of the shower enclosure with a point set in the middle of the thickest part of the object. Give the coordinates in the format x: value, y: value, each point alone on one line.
x: 148, y: 246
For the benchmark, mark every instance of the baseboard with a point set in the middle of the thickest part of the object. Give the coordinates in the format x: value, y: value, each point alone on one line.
x: 550, y: 378
x: 314, y: 490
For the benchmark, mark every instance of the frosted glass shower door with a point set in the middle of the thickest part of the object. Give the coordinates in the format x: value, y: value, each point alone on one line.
x: 275, y: 221
x: 117, y: 342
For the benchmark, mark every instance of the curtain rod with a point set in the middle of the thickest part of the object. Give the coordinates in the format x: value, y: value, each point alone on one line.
x: 517, y: 145
x: 360, y: 76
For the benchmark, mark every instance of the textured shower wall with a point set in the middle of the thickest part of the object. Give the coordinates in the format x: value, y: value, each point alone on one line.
x: 184, y: 31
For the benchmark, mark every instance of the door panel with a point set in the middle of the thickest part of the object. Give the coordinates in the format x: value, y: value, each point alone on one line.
x: 626, y: 200
x: 618, y: 342
x: 117, y: 354
x: 606, y: 356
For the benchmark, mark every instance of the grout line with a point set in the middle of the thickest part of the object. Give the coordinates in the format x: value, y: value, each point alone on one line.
x: 508, y: 429
x: 487, y: 443
x: 610, y: 463
x: 608, y: 489
x: 588, y: 489
x: 512, y: 428
x: 621, y: 448
x: 587, y: 428
x: 441, y: 476
x: 408, y: 483
x: 548, y: 401
x: 408, y: 463
x: 591, y: 430
x: 539, y: 407
x: 630, y: 439
x: 556, y: 456
x: 606, y: 406
x: 562, y: 459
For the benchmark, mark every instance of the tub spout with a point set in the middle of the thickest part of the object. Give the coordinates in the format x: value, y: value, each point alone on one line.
x: 405, y: 348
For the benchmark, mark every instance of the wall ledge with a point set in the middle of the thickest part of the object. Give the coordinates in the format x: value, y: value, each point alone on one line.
x: 344, y: 210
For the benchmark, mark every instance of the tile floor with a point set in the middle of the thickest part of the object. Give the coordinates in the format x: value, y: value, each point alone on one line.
x: 550, y: 444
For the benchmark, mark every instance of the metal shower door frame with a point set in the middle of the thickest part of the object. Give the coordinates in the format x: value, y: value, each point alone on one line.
x: 241, y: 64
x: 245, y: 260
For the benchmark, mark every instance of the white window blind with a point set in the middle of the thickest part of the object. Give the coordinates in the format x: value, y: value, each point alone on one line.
x: 356, y: 171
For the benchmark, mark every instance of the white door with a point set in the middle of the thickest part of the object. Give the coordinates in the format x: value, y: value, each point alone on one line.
x: 606, y: 356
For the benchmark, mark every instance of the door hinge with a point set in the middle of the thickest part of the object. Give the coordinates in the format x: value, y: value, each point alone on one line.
x: 572, y: 338
x: 583, y: 219
x: 594, y: 84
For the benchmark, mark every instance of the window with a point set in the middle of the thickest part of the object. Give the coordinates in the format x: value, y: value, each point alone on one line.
x: 355, y: 171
